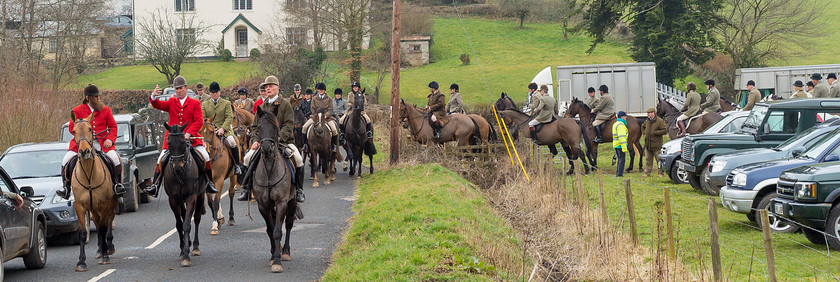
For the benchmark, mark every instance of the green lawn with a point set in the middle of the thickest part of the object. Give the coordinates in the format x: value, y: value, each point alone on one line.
x: 739, y: 238
x: 434, y: 227
x: 509, y: 58
x: 146, y: 76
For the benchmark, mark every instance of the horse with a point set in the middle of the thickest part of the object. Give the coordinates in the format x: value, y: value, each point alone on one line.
x: 357, y: 141
x: 221, y: 157
x: 184, y: 185
x: 300, y: 119
x: 242, y: 120
x: 460, y: 128
x: 566, y: 131
x: 486, y: 132
x: 273, y: 190
x: 583, y: 112
x: 669, y: 113
x: 320, y: 149
x: 726, y: 105
x: 504, y: 102
x: 92, y: 188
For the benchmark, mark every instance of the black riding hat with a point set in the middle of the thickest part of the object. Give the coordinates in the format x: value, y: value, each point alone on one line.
x: 320, y: 86
x: 454, y: 86
x: 356, y: 84
x: 604, y: 88
x: 338, y: 91
x: 434, y: 85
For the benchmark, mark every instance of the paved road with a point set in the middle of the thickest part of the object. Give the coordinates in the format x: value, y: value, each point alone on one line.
x: 238, y: 253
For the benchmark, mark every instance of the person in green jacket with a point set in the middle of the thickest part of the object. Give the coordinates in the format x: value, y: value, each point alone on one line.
x: 542, y: 109
x: 221, y: 112
x: 619, y: 131
x: 712, y: 104
x: 691, y: 107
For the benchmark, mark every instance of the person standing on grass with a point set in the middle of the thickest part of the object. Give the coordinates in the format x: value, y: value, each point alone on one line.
x: 244, y: 102
x: 653, y: 128
x: 619, y: 131
x: 261, y: 100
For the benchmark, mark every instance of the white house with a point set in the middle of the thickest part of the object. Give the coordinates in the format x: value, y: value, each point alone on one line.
x: 242, y: 24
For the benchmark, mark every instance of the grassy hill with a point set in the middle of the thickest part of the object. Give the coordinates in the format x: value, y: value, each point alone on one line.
x: 146, y: 76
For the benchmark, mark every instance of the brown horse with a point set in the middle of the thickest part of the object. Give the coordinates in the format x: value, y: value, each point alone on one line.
x: 583, y: 112
x: 486, y: 131
x: 273, y: 190
x: 669, y: 113
x: 92, y: 189
x: 460, y: 127
x: 320, y: 149
x: 222, y: 159
x: 566, y: 131
x: 726, y: 105
x: 242, y: 120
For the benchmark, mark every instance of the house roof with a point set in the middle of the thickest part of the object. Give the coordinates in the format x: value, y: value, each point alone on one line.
x: 244, y: 19
x: 416, y: 38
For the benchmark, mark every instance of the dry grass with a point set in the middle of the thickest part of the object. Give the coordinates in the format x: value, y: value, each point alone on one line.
x: 31, y: 114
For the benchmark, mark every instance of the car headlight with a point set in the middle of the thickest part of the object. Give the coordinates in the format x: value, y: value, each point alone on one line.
x: 58, y: 199
x: 716, y: 166
x: 804, y: 190
x: 671, y: 149
x: 739, y: 179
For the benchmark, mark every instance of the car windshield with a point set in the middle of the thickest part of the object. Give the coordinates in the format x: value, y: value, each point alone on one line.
x: 821, y: 145
x: 33, y: 164
x: 123, y: 135
x: 807, y: 134
x: 756, y: 117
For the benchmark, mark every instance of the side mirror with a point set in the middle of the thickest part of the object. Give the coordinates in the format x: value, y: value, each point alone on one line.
x: 26, y: 191
x: 831, y: 158
x: 796, y: 152
x: 766, y: 128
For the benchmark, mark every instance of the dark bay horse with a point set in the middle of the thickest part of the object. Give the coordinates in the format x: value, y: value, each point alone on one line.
x: 460, y: 128
x: 583, y: 112
x: 669, y: 113
x: 566, y: 131
x: 357, y: 140
x: 726, y: 105
x: 92, y: 184
x: 273, y: 190
x: 321, y: 156
x: 184, y: 185
x: 222, y: 160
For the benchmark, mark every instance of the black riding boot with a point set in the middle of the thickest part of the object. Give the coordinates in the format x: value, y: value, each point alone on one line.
x: 119, y: 190
x: 369, y: 128
x: 152, y: 189
x: 245, y: 183
x: 341, y: 136
x: 299, y: 185
x: 208, y: 171
x: 597, y: 134
x: 305, y: 148
x: 66, y: 173
x: 237, y: 165
x: 436, y: 126
x: 334, y: 142
x: 534, y: 135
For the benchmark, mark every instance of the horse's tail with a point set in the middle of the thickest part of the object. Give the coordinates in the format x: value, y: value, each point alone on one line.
x: 493, y: 136
x: 476, y: 132
x: 589, y: 150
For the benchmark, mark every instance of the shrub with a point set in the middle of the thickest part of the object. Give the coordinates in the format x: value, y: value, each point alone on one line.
x: 465, y: 59
x: 255, y: 53
x: 226, y: 56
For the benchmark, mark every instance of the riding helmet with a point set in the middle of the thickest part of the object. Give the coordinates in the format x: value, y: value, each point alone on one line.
x: 320, y: 86
x: 454, y: 86
x: 434, y: 85
x: 243, y: 91
x: 180, y: 81
x: 621, y: 114
x: 753, y: 82
x: 798, y: 83
x: 214, y: 87
x: 816, y: 76
x: 308, y: 91
x: 831, y: 76
x: 356, y: 84
x: 590, y: 90
x: 710, y: 82
x: 604, y: 88
x: 691, y: 86
x: 338, y: 91
x: 532, y: 86
x: 91, y: 90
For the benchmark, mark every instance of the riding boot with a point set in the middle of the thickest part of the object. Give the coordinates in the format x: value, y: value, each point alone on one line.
x: 437, y: 129
x: 369, y: 132
x: 334, y: 142
x: 305, y: 148
x: 299, y: 185
x: 341, y: 136
x: 119, y: 190
x: 237, y: 164
x: 598, y: 134
x: 534, y: 135
x: 66, y: 173
x: 152, y: 189
x: 246, y: 179
x: 208, y: 171
x: 681, y: 125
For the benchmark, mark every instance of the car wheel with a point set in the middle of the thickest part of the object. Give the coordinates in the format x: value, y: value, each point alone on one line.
x: 814, y: 236
x: 678, y: 176
x: 144, y: 198
x: 37, y: 257
x: 131, y: 198
x: 832, y: 227
x: 706, y: 185
x: 694, y: 180
x: 777, y: 225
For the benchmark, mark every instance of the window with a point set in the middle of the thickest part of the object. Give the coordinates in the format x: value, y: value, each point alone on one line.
x: 55, y: 45
x: 184, y: 5
x: 414, y: 48
x: 186, y: 36
x: 242, y: 4
x: 294, y: 4
x: 296, y: 36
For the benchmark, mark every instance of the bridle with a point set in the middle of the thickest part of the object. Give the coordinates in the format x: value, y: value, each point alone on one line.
x: 87, y: 172
x: 185, y: 158
x: 406, y: 120
x: 211, y: 141
x: 271, y: 157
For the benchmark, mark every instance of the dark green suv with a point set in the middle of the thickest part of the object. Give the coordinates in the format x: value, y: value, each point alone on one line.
x: 810, y: 195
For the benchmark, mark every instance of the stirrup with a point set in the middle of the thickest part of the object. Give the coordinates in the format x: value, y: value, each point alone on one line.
x: 210, y: 189
x: 119, y: 190
x: 300, y: 197
x: 152, y: 190
x: 245, y: 195
x: 370, y: 134
x: 64, y: 193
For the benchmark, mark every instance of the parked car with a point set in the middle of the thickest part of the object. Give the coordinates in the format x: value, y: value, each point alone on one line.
x: 39, y: 166
x: 136, y: 144
x: 769, y: 124
x: 751, y: 187
x: 809, y: 196
x: 24, y: 228
x: 672, y: 150
x: 719, y: 167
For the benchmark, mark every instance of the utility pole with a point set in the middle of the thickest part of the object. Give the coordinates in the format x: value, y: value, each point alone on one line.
x: 395, y: 83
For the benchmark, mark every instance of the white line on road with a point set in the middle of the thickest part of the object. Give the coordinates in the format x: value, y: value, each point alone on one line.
x: 162, y: 238
x: 100, y: 276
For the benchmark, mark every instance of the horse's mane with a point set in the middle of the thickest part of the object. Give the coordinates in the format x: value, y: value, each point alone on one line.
x: 517, y: 111
x: 582, y: 104
x: 727, y: 100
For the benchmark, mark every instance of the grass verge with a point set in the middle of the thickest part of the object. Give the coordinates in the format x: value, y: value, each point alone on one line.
x: 424, y: 223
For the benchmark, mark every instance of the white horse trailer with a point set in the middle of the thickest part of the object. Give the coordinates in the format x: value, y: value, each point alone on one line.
x: 778, y: 80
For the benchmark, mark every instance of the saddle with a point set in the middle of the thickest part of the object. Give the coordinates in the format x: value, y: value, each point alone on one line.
x: 108, y: 164
x: 688, y: 123
x: 540, y: 125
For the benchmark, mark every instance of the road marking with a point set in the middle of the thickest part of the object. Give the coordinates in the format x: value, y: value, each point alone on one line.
x: 162, y: 238
x: 100, y: 276
x: 297, y: 227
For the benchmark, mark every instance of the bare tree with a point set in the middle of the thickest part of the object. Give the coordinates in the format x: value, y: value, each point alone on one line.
x: 72, y: 32
x: 568, y: 13
x: 756, y: 31
x: 166, y: 41
x: 519, y: 9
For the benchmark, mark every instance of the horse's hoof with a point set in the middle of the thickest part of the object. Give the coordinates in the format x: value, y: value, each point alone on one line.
x: 98, y: 255
x: 276, y: 268
x: 285, y: 257
x: 81, y: 267
x: 315, y: 185
x: 196, y: 253
x: 111, y: 251
x: 327, y: 182
x: 186, y: 263
x: 345, y: 169
x: 311, y: 178
x: 214, y: 231
x: 232, y: 222
x: 332, y: 177
x: 222, y: 221
x: 105, y: 260
x: 271, y: 262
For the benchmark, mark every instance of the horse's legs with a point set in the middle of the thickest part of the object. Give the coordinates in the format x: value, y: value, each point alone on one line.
x: 178, y: 210
x: 280, y: 212
x: 197, y: 220
x: 313, y: 166
x: 268, y: 216
x: 632, y: 151
x: 290, y: 222
x: 214, y: 201
x: 351, y: 158
x: 231, y: 192
x: 571, y: 157
x: 80, y: 214
x: 594, y: 161
x: 103, y: 226
x: 189, y: 212
x: 110, y: 235
x: 641, y: 154
x: 312, y: 163
x: 370, y: 157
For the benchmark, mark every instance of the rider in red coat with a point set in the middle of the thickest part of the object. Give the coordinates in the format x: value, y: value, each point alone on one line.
x: 184, y: 111
x: 261, y: 100
x: 105, y: 133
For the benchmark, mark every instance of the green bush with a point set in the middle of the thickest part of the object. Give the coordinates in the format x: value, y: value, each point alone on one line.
x: 465, y: 59
x: 255, y: 53
x: 226, y: 56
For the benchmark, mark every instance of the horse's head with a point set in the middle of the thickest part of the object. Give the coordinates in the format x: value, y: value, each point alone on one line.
x: 504, y: 103
x: 318, y: 127
x: 359, y: 102
x: 576, y: 107
x: 208, y: 128
x: 178, y: 147
x: 269, y: 130
x: 660, y: 108
x: 83, y: 135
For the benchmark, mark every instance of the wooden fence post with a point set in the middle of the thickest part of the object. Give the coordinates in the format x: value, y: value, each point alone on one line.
x: 713, y: 232
x: 580, y: 193
x: 768, y: 246
x: 601, y: 196
x: 631, y: 212
x: 669, y: 224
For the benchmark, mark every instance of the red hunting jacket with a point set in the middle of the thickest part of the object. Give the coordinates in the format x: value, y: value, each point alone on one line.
x: 103, y: 124
x: 189, y: 113
x: 256, y: 105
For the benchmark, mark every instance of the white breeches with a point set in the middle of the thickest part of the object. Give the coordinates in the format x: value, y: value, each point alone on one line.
x: 230, y: 142
x: 331, y: 124
x: 434, y: 118
x: 683, y: 117
x: 533, y: 123
x: 115, y: 158
x: 298, y: 160
x: 344, y: 117
x: 200, y: 149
